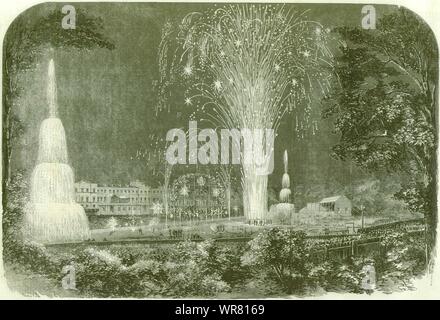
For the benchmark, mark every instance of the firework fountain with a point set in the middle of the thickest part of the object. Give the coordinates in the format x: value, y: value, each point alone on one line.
x: 245, y: 67
x: 284, y: 211
x: 52, y: 214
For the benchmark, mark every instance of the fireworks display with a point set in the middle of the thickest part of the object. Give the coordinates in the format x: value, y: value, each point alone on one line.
x: 246, y: 66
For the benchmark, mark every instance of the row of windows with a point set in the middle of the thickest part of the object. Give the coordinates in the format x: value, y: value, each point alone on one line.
x: 92, y: 205
x: 123, y: 208
x: 119, y: 208
x: 111, y: 190
x: 103, y: 199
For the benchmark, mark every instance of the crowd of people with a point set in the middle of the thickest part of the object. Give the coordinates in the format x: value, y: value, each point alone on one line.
x: 322, y: 243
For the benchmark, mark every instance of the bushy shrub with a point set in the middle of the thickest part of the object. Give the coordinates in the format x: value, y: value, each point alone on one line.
x: 189, y: 269
x: 280, y: 256
x: 402, y: 258
x: 13, y: 212
x: 337, y: 276
x: 150, y: 275
x: 276, y: 262
x: 98, y: 272
x: 34, y: 257
x: 230, y: 266
x: 195, y: 269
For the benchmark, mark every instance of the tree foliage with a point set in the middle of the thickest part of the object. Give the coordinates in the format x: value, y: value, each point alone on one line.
x: 12, y: 214
x: 281, y: 256
x: 276, y: 262
x: 383, y: 104
x: 401, y: 259
x: 337, y: 276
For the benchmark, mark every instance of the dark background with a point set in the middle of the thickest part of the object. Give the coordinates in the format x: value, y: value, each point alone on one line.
x: 107, y: 102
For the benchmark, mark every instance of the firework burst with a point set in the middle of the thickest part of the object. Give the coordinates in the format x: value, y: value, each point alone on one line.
x: 247, y: 65
x: 250, y: 65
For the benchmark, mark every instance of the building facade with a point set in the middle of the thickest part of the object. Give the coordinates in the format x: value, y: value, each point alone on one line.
x: 203, y: 195
x: 191, y: 194
x: 101, y: 199
x: 337, y: 204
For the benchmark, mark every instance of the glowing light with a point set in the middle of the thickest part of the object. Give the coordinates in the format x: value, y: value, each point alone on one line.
x: 157, y: 208
x: 217, y: 85
x: 247, y: 47
x: 201, y: 181
x: 184, y: 191
x: 187, y: 71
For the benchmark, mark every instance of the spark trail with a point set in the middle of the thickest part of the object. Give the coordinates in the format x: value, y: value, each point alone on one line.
x: 246, y: 66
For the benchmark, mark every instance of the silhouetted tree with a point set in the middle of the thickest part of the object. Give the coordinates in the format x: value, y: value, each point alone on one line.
x: 383, y: 104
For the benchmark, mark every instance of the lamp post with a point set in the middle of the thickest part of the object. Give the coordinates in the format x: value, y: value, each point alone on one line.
x: 184, y: 192
x: 215, y: 194
x: 362, y: 207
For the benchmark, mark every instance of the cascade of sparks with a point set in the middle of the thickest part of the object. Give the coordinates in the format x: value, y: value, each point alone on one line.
x: 246, y: 66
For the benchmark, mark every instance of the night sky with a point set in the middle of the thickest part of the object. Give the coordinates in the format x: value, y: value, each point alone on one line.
x: 107, y: 98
